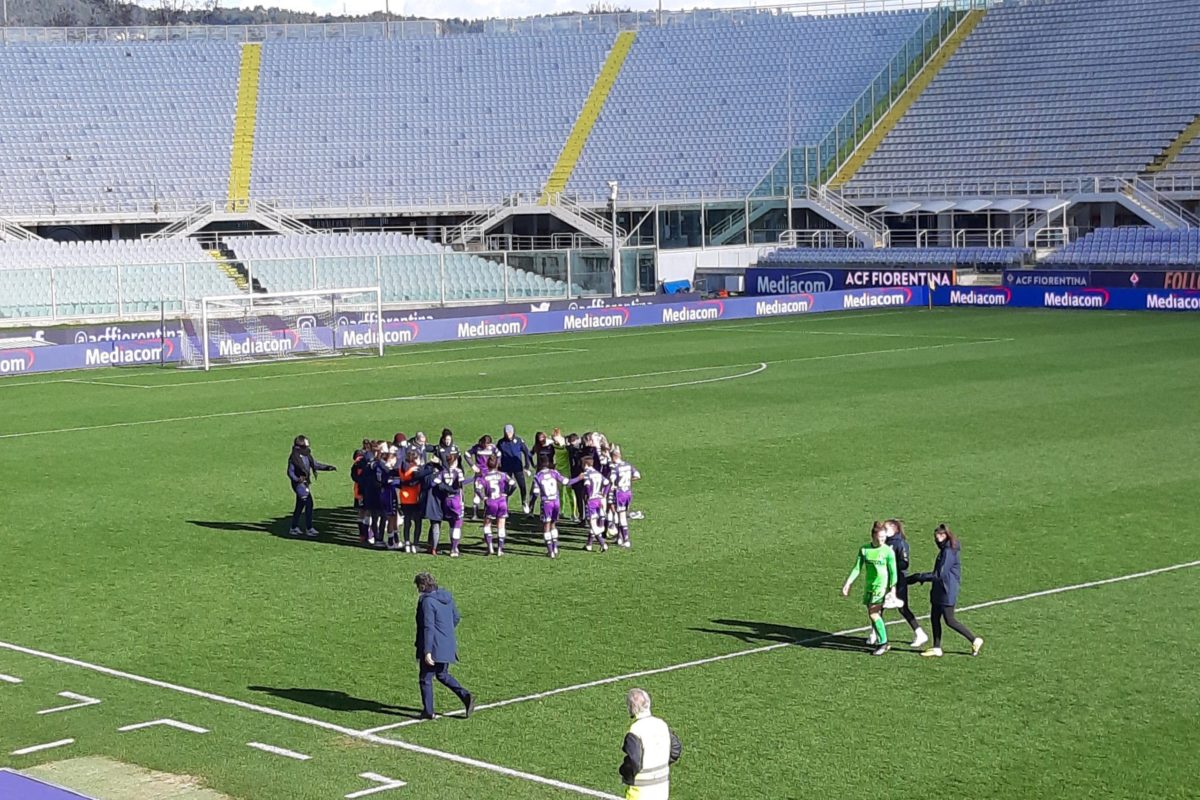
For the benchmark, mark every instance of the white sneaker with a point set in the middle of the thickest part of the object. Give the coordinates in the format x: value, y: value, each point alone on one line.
x: 919, y: 638
x: 295, y: 532
x: 933, y: 652
x: 454, y: 554
x: 872, y: 639
x: 313, y: 532
x: 525, y: 507
x: 976, y: 646
x: 587, y: 547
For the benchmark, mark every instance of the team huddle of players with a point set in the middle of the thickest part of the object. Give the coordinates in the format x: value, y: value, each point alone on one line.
x: 401, y: 485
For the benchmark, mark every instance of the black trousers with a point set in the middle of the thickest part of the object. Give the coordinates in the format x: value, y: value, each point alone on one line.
x: 519, y: 477
x: 941, y: 612
x: 304, y: 506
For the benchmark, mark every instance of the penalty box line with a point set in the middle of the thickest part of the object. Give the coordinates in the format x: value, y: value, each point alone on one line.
x: 315, y: 723
x: 780, y: 645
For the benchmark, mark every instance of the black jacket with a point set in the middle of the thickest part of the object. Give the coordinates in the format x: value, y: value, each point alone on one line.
x: 899, y: 546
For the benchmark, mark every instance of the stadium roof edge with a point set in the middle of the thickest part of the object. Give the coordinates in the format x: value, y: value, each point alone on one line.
x: 432, y: 27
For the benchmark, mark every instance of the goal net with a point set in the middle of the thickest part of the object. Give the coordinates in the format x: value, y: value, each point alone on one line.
x: 252, y: 328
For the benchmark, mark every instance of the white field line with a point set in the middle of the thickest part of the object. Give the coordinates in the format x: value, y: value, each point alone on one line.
x: 314, y: 723
x: 81, y: 701
x: 779, y: 645
x: 37, y: 748
x: 656, y: 330
x: 473, y: 393
x: 9, y: 679
x: 107, y: 383
x: 168, y: 723
x: 279, y: 751
x: 386, y: 785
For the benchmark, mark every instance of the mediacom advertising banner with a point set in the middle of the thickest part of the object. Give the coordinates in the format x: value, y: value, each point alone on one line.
x: 1087, y: 298
x: 282, y: 340
x: 790, y: 280
x: 1105, y: 278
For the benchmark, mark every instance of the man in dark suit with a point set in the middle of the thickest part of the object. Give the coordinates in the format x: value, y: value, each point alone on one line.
x: 437, y: 617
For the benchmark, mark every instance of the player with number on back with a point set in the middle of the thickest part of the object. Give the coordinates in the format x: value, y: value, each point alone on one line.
x: 622, y: 474
x: 546, y: 485
x: 495, y: 486
x: 594, y: 487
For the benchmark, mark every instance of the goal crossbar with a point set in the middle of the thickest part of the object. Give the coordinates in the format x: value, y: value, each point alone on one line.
x: 309, y: 318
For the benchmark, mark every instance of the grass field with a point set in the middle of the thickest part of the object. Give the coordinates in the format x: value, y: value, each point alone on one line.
x: 142, y: 513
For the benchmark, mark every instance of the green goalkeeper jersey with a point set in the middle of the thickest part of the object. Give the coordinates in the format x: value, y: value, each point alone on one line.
x: 879, y: 567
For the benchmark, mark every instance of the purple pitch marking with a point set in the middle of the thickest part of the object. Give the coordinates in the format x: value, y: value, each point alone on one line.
x: 15, y: 786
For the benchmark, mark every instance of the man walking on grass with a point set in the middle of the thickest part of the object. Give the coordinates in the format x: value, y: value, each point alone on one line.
x: 437, y: 649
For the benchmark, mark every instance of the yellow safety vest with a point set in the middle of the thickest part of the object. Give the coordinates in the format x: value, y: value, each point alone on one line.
x: 653, y: 781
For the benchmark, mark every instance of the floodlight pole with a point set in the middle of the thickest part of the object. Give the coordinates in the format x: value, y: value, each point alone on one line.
x: 616, y: 250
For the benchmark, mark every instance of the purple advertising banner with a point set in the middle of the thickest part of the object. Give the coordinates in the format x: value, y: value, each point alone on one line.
x: 280, y: 339
x: 1094, y: 298
x: 132, y: 331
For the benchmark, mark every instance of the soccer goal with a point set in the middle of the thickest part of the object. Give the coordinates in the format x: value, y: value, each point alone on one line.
x: 253, y: 328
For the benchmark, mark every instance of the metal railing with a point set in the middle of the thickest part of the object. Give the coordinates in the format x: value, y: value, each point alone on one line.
x: 143, y: 291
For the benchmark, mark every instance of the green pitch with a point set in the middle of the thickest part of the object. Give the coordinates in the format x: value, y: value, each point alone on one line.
x: 143, y: 513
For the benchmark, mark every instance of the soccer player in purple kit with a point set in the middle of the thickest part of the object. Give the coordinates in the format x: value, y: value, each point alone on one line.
x: 387, y: 479
x: 594, y: 486
x: 449, y: 484
x: 546, y: 484
x: 622, y: 474
x: 479, y: 454
x: 495, y: 486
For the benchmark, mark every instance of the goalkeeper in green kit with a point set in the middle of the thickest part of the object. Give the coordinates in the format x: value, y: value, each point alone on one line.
x: 878, y: 563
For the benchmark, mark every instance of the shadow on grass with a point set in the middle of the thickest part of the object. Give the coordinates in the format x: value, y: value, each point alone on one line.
x: 336, y: 701
x: 763, y: 633
x: 339, y: 526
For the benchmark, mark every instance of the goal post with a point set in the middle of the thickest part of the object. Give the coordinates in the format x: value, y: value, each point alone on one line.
x: 273, y: 326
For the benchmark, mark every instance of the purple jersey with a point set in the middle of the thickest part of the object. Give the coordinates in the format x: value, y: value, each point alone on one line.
x: 480, y: 456
x: 594, y: 484
x: 451, y: 480
x: 623, y: 474
x: 494, y: 485
x: 547, y: 483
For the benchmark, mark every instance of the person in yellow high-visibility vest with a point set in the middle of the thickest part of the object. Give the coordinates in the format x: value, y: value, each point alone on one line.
x: 650, y: 747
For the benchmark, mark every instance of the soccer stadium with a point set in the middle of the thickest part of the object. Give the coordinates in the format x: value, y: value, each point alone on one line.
x: 897, y: 296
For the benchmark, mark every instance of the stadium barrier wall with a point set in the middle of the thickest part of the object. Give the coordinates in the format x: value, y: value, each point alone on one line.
x: 789, y: 280
x: 1091, y: 298
x: 1106, y: 278
x: 283, y: 338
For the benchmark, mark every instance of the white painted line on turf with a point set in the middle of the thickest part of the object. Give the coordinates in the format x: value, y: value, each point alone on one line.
x: 83, y: 702
x: 109, y: 383
x: 497, y: 389
x: 780, y: 645
x: 387, y: 785
x: 315, y: 723
x: 37, y: 748
x: 279, y: 751
x: 169, y: 723
x: 9, y: 679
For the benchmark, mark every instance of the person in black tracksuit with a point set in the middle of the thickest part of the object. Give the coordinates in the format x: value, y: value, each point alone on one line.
x: 302, y: 471
x: 945, y: 578
x: 899, y: 545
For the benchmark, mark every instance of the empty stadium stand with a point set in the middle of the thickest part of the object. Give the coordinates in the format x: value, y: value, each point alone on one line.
x: 1123, y: 247
x: 1051, y: 89
x: 115, y: 126
x: 984, y: 258
x: 408, y: 269
x: 104, y: 278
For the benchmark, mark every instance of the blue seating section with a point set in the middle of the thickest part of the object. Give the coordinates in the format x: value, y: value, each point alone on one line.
x: 81, y: 279
x: 710, y: 109
x: 1052, y: 88
x: 899, y: 256
x: 1131, y: 247
x: 115, y: 126
x: 466, y: 119
x: 408, y: 269
x: 1187, y: 162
